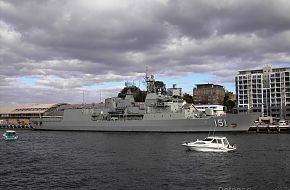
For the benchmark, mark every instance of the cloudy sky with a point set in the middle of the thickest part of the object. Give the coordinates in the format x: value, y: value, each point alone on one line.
x: 52, y: 51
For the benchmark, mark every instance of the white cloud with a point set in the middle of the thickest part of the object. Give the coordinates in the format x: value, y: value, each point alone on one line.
x: 8, y: 35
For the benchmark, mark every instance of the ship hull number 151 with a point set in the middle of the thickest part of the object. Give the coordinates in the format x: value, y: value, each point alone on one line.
x: 221, y: 123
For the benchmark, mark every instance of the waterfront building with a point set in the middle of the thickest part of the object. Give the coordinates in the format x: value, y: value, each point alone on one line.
x: 264, y: 90
x: 174, y: 91
x: 208, y: 94
x: 15, y: 114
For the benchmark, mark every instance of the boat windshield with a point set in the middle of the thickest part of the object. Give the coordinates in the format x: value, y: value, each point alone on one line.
x: 214, y: 141
x: 226, y: 142
x: 207, y: 139
x: 10, y: 133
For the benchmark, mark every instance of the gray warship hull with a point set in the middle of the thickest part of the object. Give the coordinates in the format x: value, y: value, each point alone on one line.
x: 76, y: 121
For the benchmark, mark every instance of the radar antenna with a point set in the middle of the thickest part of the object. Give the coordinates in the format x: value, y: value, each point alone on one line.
x: 150, y: 82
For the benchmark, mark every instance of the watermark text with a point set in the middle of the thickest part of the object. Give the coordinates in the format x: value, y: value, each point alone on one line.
x: 234, y: 188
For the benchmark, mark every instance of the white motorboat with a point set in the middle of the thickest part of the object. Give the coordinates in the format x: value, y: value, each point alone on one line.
x: 210, y: 144
x: 10, y: 135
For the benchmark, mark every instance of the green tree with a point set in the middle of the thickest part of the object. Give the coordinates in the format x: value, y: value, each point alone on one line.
x: 139, y: 95
x: 228, y: 103
x: 187, y: 98
x: 161, y: 86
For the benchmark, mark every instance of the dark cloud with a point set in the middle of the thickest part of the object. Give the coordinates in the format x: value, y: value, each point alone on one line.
x: 70, y: 45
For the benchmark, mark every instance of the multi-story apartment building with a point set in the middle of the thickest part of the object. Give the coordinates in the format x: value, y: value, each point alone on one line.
x: 208, y: 94
x: 265, y: 90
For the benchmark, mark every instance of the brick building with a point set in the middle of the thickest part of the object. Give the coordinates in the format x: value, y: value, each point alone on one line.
x: 208, y: 94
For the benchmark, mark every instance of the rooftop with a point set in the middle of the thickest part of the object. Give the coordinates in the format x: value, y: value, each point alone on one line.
x: 25, y: 108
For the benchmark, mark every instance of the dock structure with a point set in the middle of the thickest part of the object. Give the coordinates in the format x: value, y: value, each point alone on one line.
x: 269, y: 129
x: 15, y: 126
x: 18, y: 116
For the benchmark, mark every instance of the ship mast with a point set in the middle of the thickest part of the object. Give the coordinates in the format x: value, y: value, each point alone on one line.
x: 150, y: 82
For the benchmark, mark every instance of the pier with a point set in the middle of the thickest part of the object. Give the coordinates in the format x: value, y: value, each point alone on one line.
x: 269, y: 129
x: 15, y: 126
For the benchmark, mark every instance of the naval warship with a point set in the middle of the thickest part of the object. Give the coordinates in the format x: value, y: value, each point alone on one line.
x: 159, y: 113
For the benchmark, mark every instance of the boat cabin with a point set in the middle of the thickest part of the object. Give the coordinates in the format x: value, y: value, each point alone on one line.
x: 10, y: 133
x: 217, y: 140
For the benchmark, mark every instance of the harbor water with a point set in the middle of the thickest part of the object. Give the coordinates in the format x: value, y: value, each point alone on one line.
x: 93, y: 160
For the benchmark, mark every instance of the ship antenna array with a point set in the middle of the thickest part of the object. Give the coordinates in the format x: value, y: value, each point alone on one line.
x: 150, y: 82
x: 147, y: 79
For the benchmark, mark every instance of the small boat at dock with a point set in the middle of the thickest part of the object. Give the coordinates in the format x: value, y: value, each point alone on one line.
x: 210, y: 144
x: 10, y: 135
x: 283, y: 124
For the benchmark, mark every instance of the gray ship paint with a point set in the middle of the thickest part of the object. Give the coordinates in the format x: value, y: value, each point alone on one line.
x: 159, y: 113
